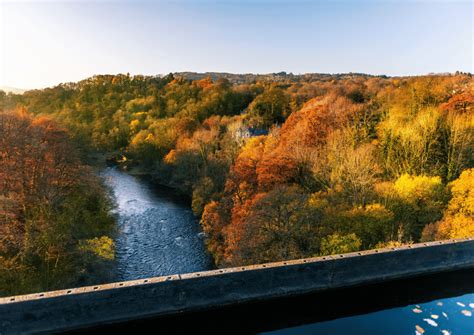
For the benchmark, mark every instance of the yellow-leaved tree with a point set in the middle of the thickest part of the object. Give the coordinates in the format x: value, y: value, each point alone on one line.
x: 458, y: 220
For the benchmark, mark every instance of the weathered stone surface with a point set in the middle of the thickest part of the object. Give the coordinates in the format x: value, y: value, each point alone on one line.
x: 118, y: 302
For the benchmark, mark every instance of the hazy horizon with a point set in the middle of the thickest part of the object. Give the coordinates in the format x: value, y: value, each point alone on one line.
x: 23, y: 89
x: 47, y: 43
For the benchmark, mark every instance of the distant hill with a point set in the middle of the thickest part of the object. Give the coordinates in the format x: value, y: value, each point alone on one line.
x: 12, y: 90
x: 279, y: 76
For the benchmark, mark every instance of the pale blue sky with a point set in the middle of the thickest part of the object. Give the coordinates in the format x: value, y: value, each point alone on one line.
x: 46, y: 43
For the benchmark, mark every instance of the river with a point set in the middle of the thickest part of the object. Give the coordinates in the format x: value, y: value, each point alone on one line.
x: 158, y: 234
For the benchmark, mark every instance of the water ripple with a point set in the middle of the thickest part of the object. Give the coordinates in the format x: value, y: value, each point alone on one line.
x: 157, y: 236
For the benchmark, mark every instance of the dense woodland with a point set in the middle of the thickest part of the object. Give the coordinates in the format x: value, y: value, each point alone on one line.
x: 55, y: 224
x: 278, y: 167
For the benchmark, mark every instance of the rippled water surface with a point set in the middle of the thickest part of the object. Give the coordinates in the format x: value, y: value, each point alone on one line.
x: 158, y: 233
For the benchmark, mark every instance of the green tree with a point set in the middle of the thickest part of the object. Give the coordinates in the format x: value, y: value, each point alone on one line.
x: 272, y: 106
x: 340, y: 244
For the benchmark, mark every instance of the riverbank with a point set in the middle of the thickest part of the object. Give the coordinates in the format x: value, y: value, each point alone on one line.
x: 101, y: 159
x: 154, y: 219
x: 159, y: 184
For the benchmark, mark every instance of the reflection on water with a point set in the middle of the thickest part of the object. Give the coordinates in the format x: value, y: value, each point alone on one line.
x: 447, y: 317
x: 158, y: 235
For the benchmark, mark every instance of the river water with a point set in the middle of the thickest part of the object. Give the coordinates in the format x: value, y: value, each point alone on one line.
x: 158, y: 234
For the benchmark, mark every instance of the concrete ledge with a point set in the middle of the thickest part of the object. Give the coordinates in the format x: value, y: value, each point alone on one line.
x: 118, y: 302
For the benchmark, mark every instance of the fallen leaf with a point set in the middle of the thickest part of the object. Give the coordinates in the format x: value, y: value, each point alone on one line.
x: 431, y: 322
x: 466, y: 312
x: 419, y: 329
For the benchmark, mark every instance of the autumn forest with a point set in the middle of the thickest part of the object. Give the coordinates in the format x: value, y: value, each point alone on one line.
x: 276, y: 166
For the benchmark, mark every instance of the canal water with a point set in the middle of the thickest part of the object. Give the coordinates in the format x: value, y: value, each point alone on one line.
x: 449, y: 316
x: 158, y: 234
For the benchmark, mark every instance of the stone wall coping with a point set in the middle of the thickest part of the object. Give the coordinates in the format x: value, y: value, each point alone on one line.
x: 218, y: 272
